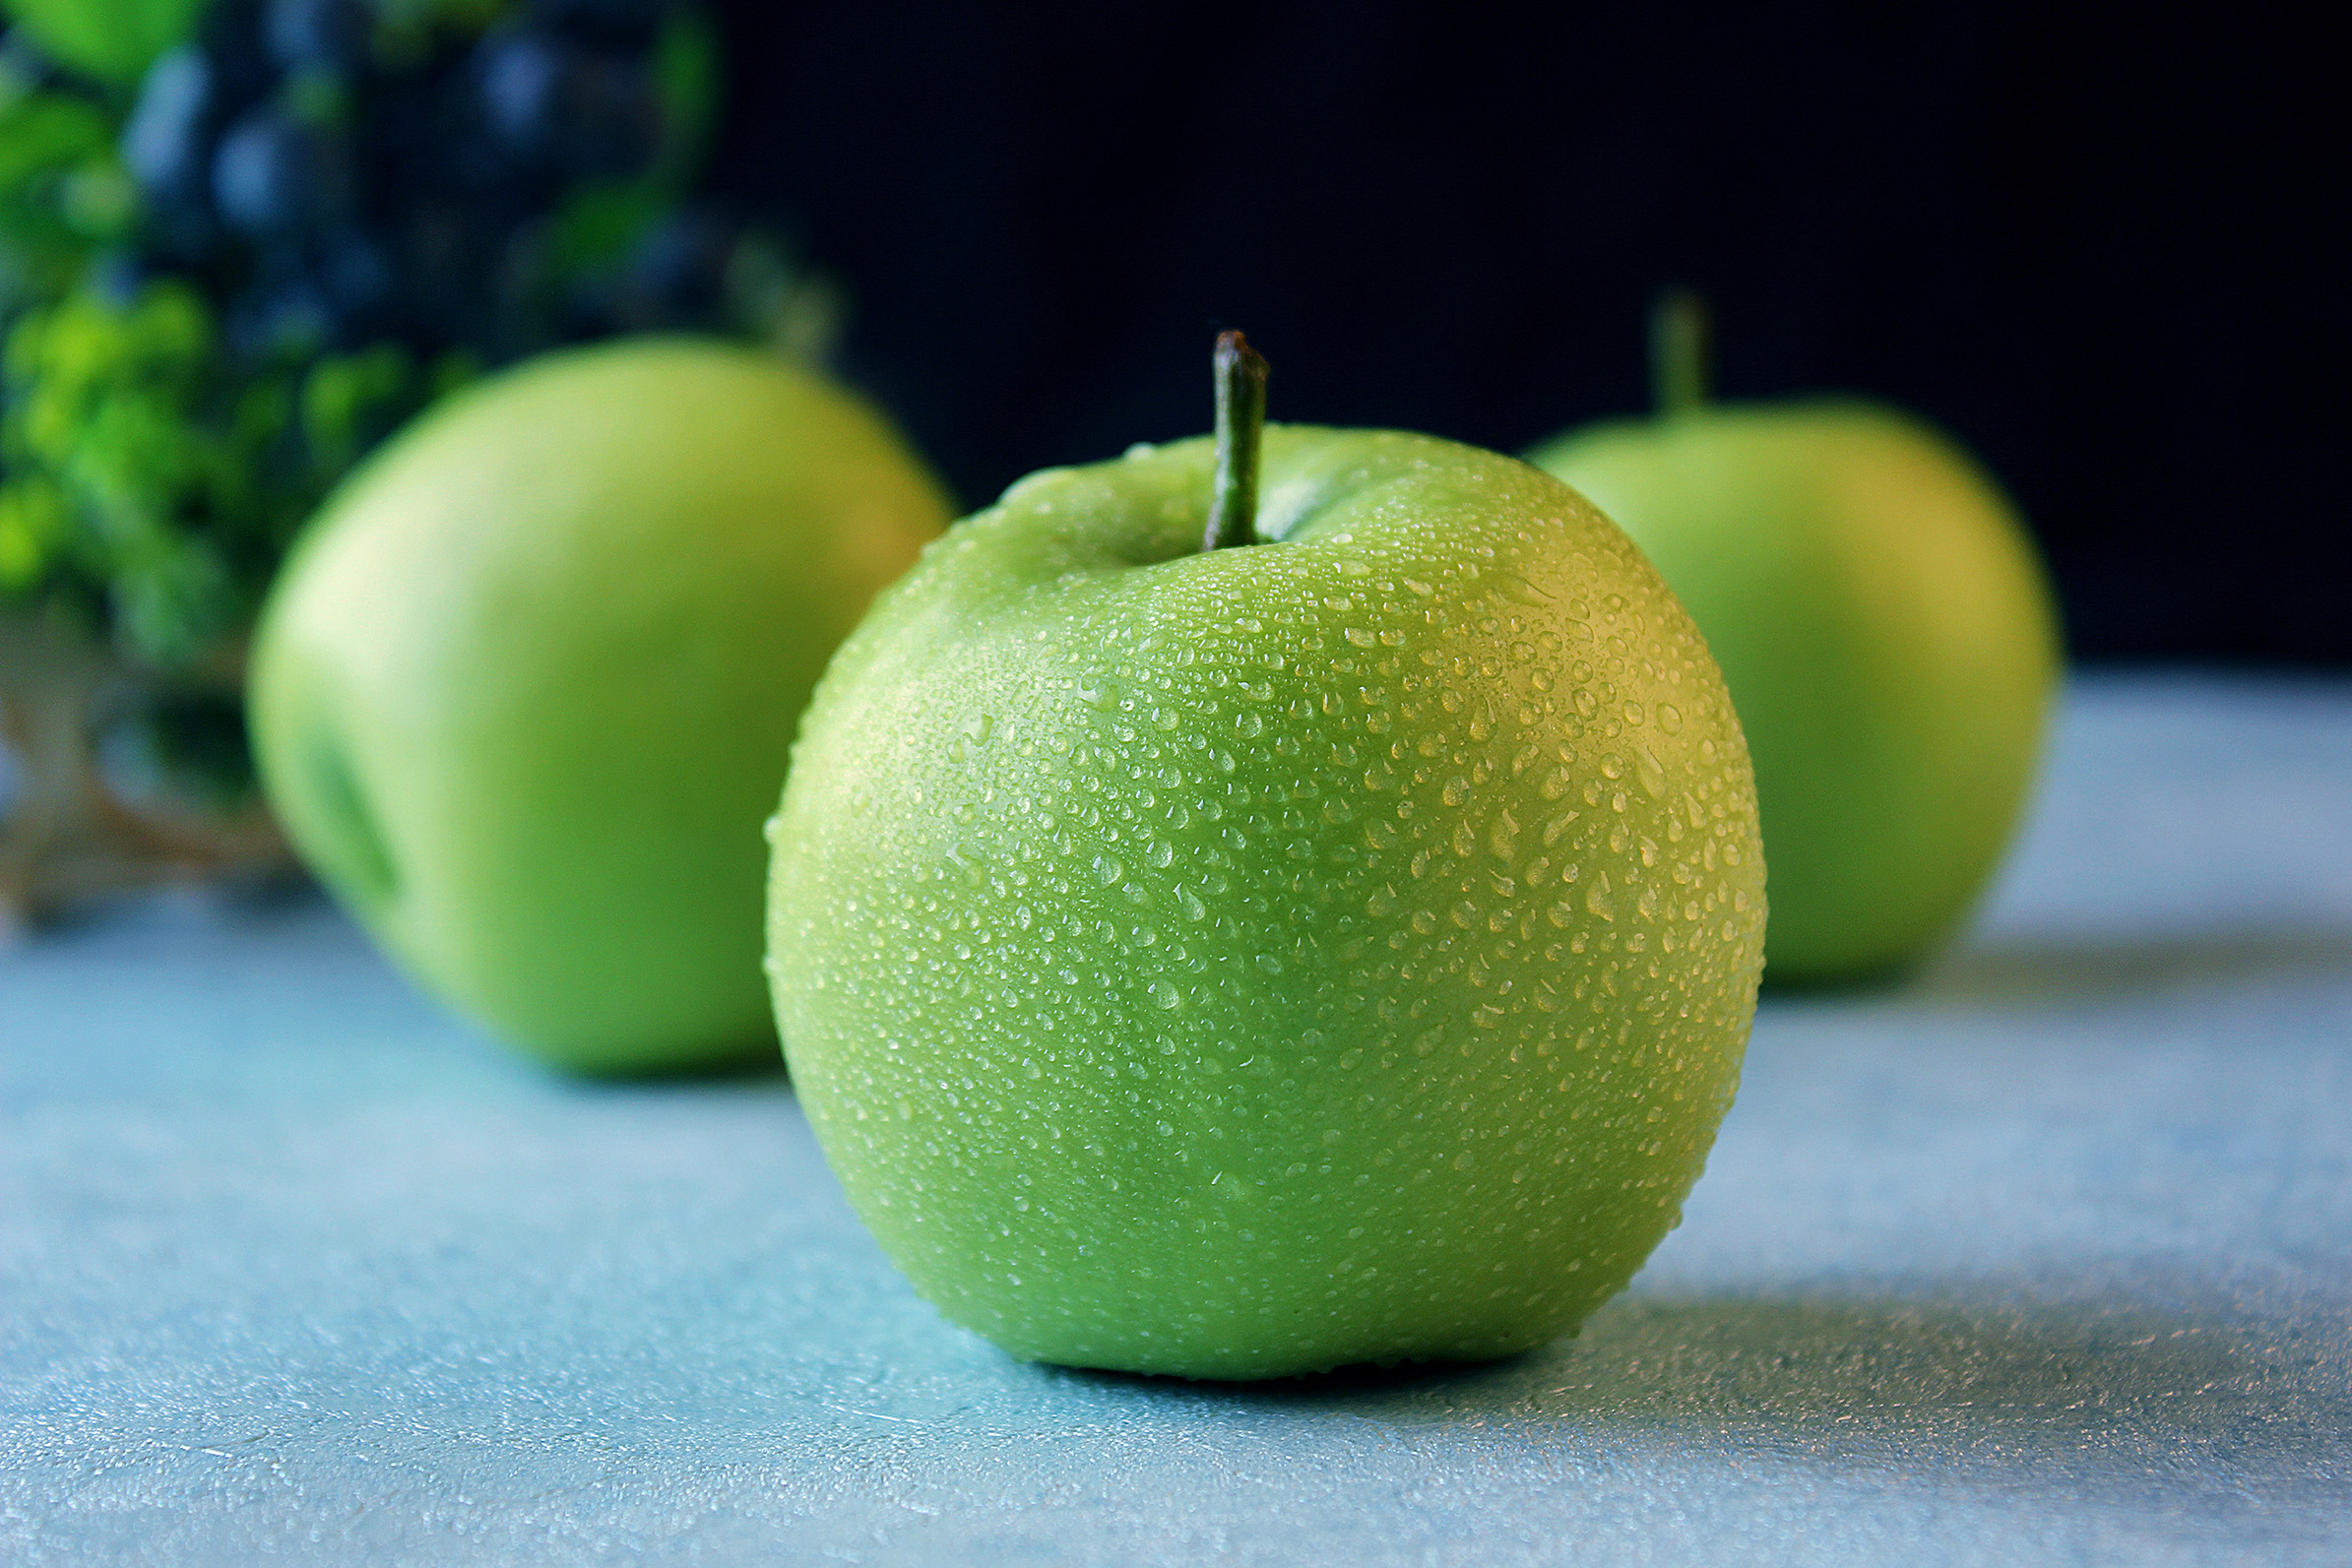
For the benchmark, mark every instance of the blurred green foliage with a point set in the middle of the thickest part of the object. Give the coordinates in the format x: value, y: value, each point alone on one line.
x: 150, y: 483
x: 113, y: 40
x: 158, y: 451
x: 185, y: 373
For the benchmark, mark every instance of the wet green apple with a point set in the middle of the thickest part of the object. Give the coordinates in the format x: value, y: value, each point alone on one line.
x: 1886, y: 633
x: 1335, y: 945
x: 526, y: 687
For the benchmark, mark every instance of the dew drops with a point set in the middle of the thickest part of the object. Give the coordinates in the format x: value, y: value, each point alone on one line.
x: 1284, y: 910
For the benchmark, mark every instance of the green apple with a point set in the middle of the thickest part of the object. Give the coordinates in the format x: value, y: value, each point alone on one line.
x: 526, y: 687
x: 1886, y: 633
x: 1238, y: 962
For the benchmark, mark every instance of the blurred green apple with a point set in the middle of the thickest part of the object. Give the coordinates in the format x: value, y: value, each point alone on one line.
x: 1238, y: 962
x: 526, y: 687
x: 1886, y: 630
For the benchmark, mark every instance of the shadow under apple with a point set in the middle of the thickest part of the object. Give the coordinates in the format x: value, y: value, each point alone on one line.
x: 2061, y: 970
x: 2116, y: 1401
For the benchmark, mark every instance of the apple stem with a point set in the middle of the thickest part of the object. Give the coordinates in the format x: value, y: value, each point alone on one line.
x: 1678, y: 353
x: 1241, y: 420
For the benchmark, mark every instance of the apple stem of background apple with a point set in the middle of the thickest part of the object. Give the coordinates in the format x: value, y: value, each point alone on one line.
x: 1241, y: 420
x: 1678, y: 353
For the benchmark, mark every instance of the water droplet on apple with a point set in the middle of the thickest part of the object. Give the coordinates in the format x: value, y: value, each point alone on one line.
x: 1597, y: 898
x: 1651, y: 774
x: 1502, y: 835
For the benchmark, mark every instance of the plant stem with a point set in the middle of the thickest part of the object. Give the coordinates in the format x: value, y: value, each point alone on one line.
x: 1241, y: 420
x: 1678, y: 353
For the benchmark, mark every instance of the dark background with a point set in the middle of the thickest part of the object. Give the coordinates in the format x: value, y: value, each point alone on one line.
x: 2107, y: 249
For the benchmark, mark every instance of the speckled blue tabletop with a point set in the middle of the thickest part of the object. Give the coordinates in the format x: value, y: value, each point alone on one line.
x: 2045, y: 1257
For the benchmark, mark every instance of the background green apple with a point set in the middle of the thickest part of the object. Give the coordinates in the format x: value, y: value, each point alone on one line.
x: 1247, y: 961
x: 1886, y: 634
x: 526, y: 687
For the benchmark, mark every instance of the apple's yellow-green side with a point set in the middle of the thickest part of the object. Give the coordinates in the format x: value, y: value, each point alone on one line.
x: 527, y: 688
x: 1243, y: 963
x: 1886, y: 634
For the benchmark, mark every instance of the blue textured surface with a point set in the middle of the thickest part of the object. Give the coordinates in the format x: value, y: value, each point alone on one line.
x: 2044, y: 1258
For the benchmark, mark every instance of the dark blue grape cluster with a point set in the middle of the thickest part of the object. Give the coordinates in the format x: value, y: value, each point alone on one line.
x: 337, y: 172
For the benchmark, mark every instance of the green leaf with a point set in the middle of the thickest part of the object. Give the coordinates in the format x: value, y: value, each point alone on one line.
x: 112, y: 39
x: 686, y: 78
x: 63, y: 193
x: 44, y: 131
x: 598, y: 224
x: 344, y: 400
x: 33, y: 520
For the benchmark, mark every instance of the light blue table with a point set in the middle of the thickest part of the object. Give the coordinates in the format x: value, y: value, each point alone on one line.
x: 2046, y: 1258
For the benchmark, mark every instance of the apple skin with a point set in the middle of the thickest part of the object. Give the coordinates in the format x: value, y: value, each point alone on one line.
x: 1246, y: 962
x: 526, y: 687
x: 1887, y: 635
